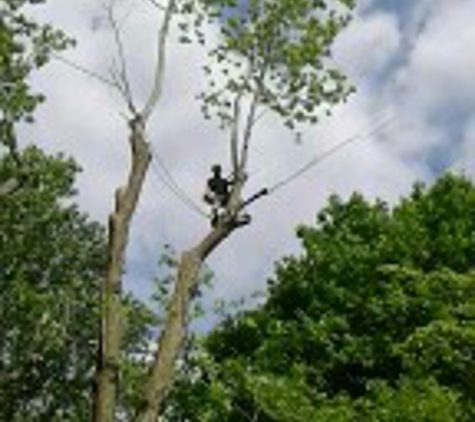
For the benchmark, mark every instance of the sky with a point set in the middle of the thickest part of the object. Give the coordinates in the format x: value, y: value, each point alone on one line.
x: 411, y: 62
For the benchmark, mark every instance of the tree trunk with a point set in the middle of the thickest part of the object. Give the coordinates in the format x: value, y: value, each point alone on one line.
x: 111, y: 325
x: 174, y: 332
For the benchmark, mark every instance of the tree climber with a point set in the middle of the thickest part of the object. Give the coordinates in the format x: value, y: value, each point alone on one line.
x: 217, y: 193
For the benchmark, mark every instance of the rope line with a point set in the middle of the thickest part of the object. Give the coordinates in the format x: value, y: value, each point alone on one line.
x: 164, y: 174
x: 72, y: 64
x: 327, y: 154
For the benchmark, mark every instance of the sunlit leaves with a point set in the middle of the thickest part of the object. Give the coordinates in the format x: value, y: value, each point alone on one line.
x: 374, y: 320
x: 25, y: 45
x: 52, y: 258
x: 275, y: 50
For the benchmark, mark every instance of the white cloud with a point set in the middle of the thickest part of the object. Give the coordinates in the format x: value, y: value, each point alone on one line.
x: 441, y: 64
x: 465, y: 161
x: 368, y: 44
x: 364, y: 5
x: 81, y: 118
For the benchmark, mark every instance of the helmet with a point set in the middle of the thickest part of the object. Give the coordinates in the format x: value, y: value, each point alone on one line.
x: 216, y: 168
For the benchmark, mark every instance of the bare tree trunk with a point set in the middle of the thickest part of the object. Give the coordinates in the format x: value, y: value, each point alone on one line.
x: 174, y: 332
x: 111, y: 316
x: 172, y: 337
x: 119, y: 224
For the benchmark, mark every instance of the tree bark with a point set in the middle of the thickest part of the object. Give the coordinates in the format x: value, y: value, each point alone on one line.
x: 174, y: 332
x: 111, y: 317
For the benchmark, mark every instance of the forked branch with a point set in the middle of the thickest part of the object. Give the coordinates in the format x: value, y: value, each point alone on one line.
x: 119, y: 227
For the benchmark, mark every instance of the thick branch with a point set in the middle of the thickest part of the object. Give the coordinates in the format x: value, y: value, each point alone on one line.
x: 248, y: 133
x: 235, y: 136
x: 119, y: 225
x: 174, y: 332
x: 161, y: 57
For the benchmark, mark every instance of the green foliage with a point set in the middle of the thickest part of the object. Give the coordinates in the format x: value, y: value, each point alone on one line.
x: 135, y: 354
x: 25, y: 46
x: 51, y: 264
x: 52, y: 257
x: 374, y: 321
x: 275, y: 51
x: 412, y: 401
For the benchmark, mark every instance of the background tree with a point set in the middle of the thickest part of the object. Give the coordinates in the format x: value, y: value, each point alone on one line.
x: 373, y: 321
x: 25, y: 45
x: 50, y: 268
x: 52, y: 254
x: 52, y: 257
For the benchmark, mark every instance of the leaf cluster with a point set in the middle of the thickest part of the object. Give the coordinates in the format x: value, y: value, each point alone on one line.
x: 277, y: 51
x: 52, y: 257
x: 25, y: 45
x: 51, y: 263
x: 373, y: 321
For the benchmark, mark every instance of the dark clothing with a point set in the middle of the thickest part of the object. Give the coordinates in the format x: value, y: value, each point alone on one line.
x: 218, y: 191
x: 220, y: 188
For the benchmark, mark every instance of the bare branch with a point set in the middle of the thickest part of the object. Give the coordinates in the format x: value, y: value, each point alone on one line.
x: 118, y: 80
x: 248, y: 133
x: 251, y: 119
x: 259, y: 117
x: 173, y: 335
x: 84, y: 70
x: 161, y: 57
x: 157, y: 5
x: 234, y: 140
x: 123, y: 74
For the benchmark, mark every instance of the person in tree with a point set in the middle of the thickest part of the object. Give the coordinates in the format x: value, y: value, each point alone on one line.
x: 218, y: 189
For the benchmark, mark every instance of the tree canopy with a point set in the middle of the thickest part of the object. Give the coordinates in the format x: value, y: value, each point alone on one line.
x: 51, y: 264
x: 52, y: 257
x: 25, y: 45
x: 374, y: 320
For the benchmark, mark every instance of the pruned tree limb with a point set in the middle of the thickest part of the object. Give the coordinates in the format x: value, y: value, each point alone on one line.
x: 173, y: 335
x: 119, y: 226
